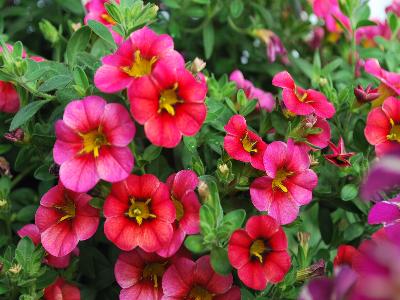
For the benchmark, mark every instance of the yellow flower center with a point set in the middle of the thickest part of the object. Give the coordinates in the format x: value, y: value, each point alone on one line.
x: 178, y: 208
x: 280, y: 177
x: 257, y: 249
x: 68, y: 209
x: 108, y: 19
x: 394, y: 134
x: 199, y: 293
x: 248, y: 144
x: 154, y: 272
x: 93, y: 141
x: 141, y: 66
x: 301, y: 96
x: 140, y: 210
x: 168, y: 99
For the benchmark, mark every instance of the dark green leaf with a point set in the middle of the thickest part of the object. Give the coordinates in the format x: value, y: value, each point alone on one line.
x: 349, y: 192
x: 78, y: 43
x: 103, y: 32
x: 219, y: 261
x: 208, y: 39
x: 55, y: 83
x: 26, y: 113
x: 151, y: 153
x: 325, y: 224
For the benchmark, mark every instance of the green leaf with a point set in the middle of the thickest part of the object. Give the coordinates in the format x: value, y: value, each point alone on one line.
x: 246, y: 294
x: 97, y: 202
x: 195, y: 244
x: 74, y: 6
x: 42, y: 173
x: 26, y: 214
x: 393, y: 22
x: 325, y: 224
x: 54, y: 83
x: 171, y: 3
x: 248, y: 108
x: 78, y: 43
x: 190, y: 143
x: 208, y: 221
x: 353, y: 231
x: 219, y: 261
x: 24, y: 253
x: 349, y: 192
x: 364, y: 23
x: 234, y: 219
x: 151, y: 153
x: 46, y: 279
x: 236, y: 8
x: 26, y: 113
x: 103, y: 32
x: 208, y: 39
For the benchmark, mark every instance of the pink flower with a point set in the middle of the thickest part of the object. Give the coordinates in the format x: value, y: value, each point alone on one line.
x: 242, y: 144
x: 139, y: 212
x: 316, y: 38
x: 187, y: 207
x: 64, y: 218
x: 96, y: 11
x: 92, y: 143
x: 388, y: 214
x: 169, y: 105
x: 365, y: 95
x: 339, y: 157
x: 300, y: 101
x: 266, y: 100
x: 186, y: 279
x: 366, y: 35
x: 314, y: 130
x: 32, y: 231
x: 274, y: 46
x: 260, y: 252
x: 329, y: 10
x: 383, y: 126
x: 9, y: 98
x: 136, y: 58
x: 288, y: 182
x: 61, y: 290
x: 345, y: 255
x: 394, y: 7
x: 139, y: 275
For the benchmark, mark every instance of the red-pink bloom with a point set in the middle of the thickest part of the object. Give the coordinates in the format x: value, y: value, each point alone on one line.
x: 316, y: 131
x: 92, y: 143
x: 383, y: 126
x: 260, y: 252
x: 64, y: 218
x: 265, y: 99
x: 9, y: 98
x: 186, y: 279
x: 316, y: 38
x: 329, y: 10
x: 300, y: 101
x: 345, y: 255
x: 394, y: 7
x: 187, y: 207
x: 139, y: 275
x: 339, y: 157
x: 288, y: 182
x: 243, y: 144
x: 365, y: 95
x: 366, y: 35
x: 169, y: 104
x: 135, y: 59
x: 32, y: 231
x: 97, y: 11
x: 139, y: 212
x: 274, y: 46
x: 61, y: 290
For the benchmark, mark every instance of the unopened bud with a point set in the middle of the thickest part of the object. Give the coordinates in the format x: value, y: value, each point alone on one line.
x: 323, y: 81
x: 203, y: 190
x: 304, y: 238
x: 4, y: 167
x: 15, y: 269
x: 313, y: 161
x: 197, y: 65
x: 20, y: 66
x: 315, y: 270
x: 3, y: 203
x: 76, y: 26
x: 15, y: 136
x: 223, y: 168
x: 50, y: 33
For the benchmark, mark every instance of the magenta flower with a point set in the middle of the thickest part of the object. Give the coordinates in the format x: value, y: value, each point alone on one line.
x: 64, y: 218
x: 394, y: 7
x: 366, y: 95
x: 32, y: 231
x: 366, y: 35
x: 273, y: 44
x: 96, y: 11
x: 329, y: 10
x: 187, y: 207
x: 288, y: 182
x: 242, y: 144
x: 266, y: 100
x: 134, y: 59
x: 300, y: 101
x: 316, y: 131
x: 92, y: 143
x: 9, y: 98
x: 339, y: 157
x: 316, y: 38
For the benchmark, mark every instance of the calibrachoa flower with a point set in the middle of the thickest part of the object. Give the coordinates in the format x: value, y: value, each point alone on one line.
x: 339, y: 157
x: 97, y: 11
x: 394, y: 7
x: 300, y: 101
x: 9, y: 99
x: 274, y: 46
x: 259, y: 252
x: 388, y: 214
x: 139, y: 275
x: 170, y: 104
x: 366, y: 35
x: 61, y: 290
x: 139, y: 212
x: 316, y: 38
x: 186, y: 279
x: 314, y: 130
x: 136, y: 58
x: 383, y: 126
x: 32, y: 231
x: 92, y: 143
x: 265, y: 100
x: 329, y: 10
x: 288, y: 182
x: 187, y: 207
x: 243, y: 144
x: 64, y: 218
x: 390, y: 82
x: 345, y: 255
x: 366, y: 95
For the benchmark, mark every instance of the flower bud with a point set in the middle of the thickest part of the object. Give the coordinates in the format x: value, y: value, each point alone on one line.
x: 315, y: 270
x: 197, y: 65
x: 366, y: 95
x: 203, y: 190
x: 50, y: 33
x: 76, y: 26
x: 4, y: 167
x: 15, y: 269
x: 15, y: 136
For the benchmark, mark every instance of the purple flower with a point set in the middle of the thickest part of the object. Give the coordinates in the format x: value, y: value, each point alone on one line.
x: 274, y: 46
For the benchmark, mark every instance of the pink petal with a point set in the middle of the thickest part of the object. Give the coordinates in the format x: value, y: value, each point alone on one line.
x: 128, y: 269
x: 185, y: 180
x: 190, y: 222
x: 391, y: 107
x: 114, y: 163
x: 31, y: 231
x: 154, y: 235
x: 323, y: 108
x: 174, y: 244
x: 294, y: 105
x: 162, y: 131
x: 117, y: 125
x: 298, y: 160
x: 284, y: 209
x: 275, y: 157
x: 123, y: 232
x: 236, y: 126
x: 142, y: 290
x: 191, y: 89
x: 253, y: 276
x: 283, y: 80
x: 276, y: 265
x: 261, y: 227
x: 110, y: 79
x: 114, y: 207
x: 234, y: 147
x: 178, y: 279
x: 378, y: 126
x: 59, y: 239
x: 384, y: 212
x: 85, y: 227
x: 261, y: 193
x: 190, y: 117
x: 46, y: 217
x: 239, y: 248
